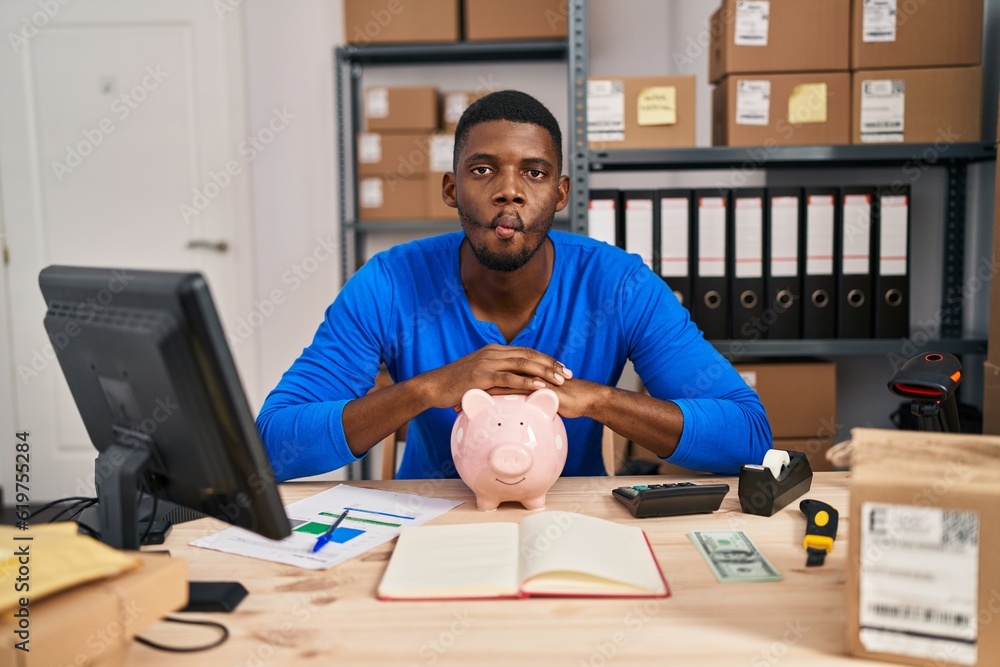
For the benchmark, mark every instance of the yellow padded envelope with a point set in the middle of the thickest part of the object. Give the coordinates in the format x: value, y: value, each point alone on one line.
x: 57, y: 558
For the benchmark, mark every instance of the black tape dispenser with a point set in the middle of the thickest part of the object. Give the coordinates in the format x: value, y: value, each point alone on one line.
x: 782, y: 477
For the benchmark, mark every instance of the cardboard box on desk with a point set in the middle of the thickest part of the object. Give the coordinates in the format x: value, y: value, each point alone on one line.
x: 487, y: 20
x: 640, y: 112
x: 782, y: 109
x: 787, y: 36
x: 387, y: 21
x: 94, y: 624
x: 401, y: 109
x: 938, y: 105
x: 917, y: 34
x: 392, y: 197
x: 923, y: 577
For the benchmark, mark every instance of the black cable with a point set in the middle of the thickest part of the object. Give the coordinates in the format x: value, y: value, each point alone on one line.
x: 44, y: 507
x: 187, y: 649
x: 145, y: 488
x: 78, y: 506
x: 80, y: 509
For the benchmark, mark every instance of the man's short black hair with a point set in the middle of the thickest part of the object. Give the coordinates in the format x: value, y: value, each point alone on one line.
x: 512, y: 105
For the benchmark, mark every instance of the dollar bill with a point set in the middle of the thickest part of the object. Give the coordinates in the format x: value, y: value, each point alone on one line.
x: 733, y: 556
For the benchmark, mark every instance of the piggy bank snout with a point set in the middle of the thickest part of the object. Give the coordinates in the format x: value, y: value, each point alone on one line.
x: 510, y: 460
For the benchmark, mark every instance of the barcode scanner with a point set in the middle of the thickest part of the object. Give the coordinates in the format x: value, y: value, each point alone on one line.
x: 929, y: 380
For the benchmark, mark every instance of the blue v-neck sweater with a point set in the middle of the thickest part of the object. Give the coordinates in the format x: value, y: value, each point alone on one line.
x: 407, y: 307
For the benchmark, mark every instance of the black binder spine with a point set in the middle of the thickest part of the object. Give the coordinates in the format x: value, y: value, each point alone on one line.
x: 605, y: 217
x: 641, y: 216
x: 746, y: 263
x: 710, y: 284
x: 818, y: 260
x: 783, y: 239
x: 855, y: 306
x: 673, y: 242
x: 892, y: 275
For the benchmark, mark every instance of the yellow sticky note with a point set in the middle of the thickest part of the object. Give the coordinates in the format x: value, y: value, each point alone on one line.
x: 807, y: 104
x: 657, y: 106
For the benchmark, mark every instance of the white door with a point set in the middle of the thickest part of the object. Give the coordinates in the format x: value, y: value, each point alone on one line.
x: 121, y: 144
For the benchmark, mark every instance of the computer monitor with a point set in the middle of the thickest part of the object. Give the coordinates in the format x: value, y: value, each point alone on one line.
x: 148, y: 366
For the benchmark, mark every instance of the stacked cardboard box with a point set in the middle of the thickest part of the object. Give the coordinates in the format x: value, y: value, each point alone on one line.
x: 393, y: 153
x: 781, y: 73
x: 640, y: 112
x: 800, y: 398
x: 916, y: 74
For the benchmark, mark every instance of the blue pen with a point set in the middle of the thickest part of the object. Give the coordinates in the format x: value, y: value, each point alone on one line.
x: 325, y: 537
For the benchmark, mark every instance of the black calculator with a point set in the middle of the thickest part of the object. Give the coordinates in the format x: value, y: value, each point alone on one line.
x: 649, y: 500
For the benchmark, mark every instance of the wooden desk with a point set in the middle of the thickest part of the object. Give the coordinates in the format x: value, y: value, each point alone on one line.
x: 331, y: 617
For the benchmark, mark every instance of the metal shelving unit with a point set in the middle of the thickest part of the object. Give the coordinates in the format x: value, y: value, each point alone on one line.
x: 349, y: 64
x: 954, y: 157
x: 841, y: 347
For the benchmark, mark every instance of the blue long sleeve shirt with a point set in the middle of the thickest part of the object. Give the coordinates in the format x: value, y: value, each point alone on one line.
x: 407, y: 307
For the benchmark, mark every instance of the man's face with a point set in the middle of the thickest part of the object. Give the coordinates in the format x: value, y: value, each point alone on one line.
x: 507, y: 189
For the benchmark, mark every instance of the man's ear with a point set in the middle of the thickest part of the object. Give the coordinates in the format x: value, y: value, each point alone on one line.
x: 449, y: 192
x: 563, y: 192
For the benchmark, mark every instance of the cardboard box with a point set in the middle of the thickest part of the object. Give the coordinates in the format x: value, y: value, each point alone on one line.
x: 924, y: 33
x: 790, y: 36
x: 392, y: 197
x: 414, y: 108
x: 800, y: 396
x: 917, y: 105
x: 454, y: 105
x: 923, y: 577
x: 991, y: 398
x: 387, y: 21
x: 782, y: 110
x: 640, y: 112
x: 401, y: 153
x: 487, y: 20
x: 94, y: 624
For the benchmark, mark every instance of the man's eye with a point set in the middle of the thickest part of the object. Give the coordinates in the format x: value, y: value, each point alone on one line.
x: 481, y: 171
x: 535, y: 173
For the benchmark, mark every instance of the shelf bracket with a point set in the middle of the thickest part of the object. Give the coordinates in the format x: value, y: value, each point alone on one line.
x: 954, y: 251
x: 579, y: 66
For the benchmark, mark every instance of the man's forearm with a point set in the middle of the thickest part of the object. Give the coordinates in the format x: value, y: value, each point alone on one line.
x: 369, y: 419
x: 649, y: 422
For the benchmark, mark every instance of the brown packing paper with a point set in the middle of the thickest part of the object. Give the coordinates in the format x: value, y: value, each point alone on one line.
x: 922, y: 471
x: 94, y: 624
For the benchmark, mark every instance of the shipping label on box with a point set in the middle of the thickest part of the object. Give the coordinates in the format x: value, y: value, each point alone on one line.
x: 902, y: 545
x: 605, y: 110
x: 751, y: 23
x: 879, y: 21
x: 442, y: 152
x: 753, y: 102
x: 883, y: 104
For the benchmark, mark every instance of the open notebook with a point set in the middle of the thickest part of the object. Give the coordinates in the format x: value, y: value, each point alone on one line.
x: 559, y: 554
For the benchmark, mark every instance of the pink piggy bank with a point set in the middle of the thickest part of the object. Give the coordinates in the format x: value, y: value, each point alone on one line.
x: 509, y: 447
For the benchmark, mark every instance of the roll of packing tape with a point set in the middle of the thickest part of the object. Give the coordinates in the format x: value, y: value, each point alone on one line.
x: 776, y: 460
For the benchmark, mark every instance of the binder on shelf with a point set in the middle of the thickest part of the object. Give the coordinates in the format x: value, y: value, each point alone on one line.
x: 709, y: 285
x: 892, y: 274
x: 819, y: 284
x: 640, y: 218
x: 854, y: 266
x: 605, y: 216
x: 746, y: 263
x: 782, y: 265
x: 673, y: 241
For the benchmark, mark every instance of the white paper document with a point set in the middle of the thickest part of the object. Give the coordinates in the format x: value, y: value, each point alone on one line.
x: 373, y: 518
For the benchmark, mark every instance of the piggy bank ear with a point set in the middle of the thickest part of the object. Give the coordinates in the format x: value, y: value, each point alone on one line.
x: 475, y: 401
x: 545, y: 400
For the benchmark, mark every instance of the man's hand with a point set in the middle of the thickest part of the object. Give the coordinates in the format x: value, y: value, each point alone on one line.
x: 497, y: 369
x: 577, y: 397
